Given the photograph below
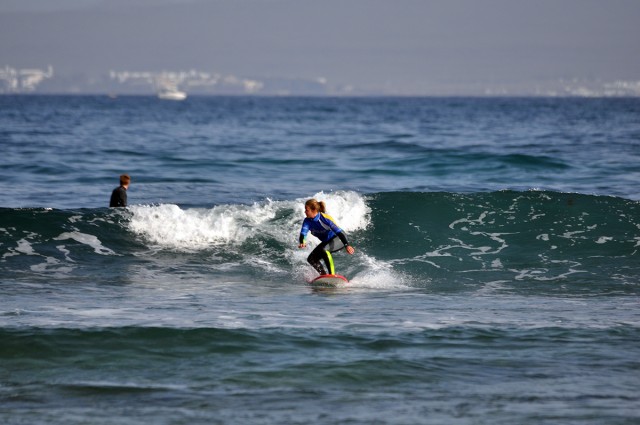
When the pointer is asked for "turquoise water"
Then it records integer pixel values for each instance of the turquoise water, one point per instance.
(496, 277)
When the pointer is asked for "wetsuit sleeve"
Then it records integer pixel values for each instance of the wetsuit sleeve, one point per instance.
(304, 231)
(343, 238)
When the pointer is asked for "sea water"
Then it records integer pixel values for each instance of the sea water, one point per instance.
(496, 277)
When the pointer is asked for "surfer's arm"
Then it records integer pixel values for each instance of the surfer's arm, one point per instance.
(345, 241)
(303, 235)
(343, 238)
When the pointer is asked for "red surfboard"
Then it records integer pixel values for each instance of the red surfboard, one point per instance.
(329, 280)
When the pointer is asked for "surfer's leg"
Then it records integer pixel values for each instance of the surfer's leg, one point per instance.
(328, 260)
(333, 245)
(315, 258)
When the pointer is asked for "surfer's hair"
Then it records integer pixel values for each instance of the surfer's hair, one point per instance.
(124, 179)
(315, 205)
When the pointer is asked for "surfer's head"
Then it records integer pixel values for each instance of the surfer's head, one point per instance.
(312, 207)
(125, 180)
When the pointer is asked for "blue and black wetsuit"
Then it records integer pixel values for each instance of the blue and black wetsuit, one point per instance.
(332, 239)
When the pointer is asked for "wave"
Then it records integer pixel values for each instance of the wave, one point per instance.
(120, 359)
(62, 341)
(533, 240)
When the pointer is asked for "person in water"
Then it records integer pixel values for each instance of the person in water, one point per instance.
(119, 194)
(322, 226)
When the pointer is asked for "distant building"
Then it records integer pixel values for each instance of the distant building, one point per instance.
(22, 80)
(177, 81)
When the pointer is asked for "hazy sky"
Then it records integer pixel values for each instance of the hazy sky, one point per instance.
(406, 45)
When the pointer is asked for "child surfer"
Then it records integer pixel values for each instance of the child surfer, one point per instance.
(323, 227)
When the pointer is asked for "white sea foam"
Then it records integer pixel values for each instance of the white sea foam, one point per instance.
(349, 209)
(379, 275)
(51, 265)
(86, 239)
(169, 226)
(25, 247)
(66, 252)
(477, 221)
(190, 230)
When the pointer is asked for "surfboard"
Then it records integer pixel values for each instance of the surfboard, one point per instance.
(331, 280)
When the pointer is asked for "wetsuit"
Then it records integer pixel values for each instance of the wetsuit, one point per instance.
(118, 197)
(332, 239)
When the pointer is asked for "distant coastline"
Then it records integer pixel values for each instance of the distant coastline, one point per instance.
(196, 83)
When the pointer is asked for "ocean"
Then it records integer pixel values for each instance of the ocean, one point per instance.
(496, 278)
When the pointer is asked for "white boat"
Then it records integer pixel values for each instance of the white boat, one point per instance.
(171, 93)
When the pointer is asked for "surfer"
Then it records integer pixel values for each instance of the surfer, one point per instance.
(322, 226)
(119, 194)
